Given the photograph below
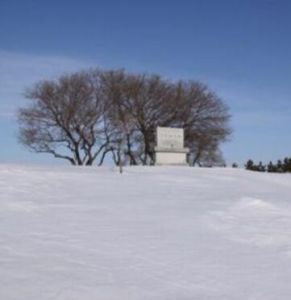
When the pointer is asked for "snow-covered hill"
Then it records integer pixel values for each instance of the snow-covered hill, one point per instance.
(152, 233)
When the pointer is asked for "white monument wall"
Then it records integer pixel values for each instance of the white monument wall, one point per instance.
(170, 146)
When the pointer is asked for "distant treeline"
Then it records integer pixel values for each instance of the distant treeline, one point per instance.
(281, 166)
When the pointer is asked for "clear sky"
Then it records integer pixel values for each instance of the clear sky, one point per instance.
(240, 48)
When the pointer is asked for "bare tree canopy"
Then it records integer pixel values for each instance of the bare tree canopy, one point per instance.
(87, 115)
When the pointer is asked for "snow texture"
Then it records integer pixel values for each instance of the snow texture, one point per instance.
(167, 233)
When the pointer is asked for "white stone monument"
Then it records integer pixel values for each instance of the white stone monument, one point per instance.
(170, 146)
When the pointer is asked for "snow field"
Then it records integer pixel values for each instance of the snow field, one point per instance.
(170, 233)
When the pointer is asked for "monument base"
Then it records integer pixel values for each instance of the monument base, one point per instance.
(178, 158)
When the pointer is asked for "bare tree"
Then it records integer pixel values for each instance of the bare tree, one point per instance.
(152, 101)
(65, 118)
(121, 122)
(205, 118)
(147, 101)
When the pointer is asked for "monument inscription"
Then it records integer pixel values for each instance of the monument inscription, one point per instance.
(170, 138)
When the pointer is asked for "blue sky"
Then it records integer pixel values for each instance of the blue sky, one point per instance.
(241, 49)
